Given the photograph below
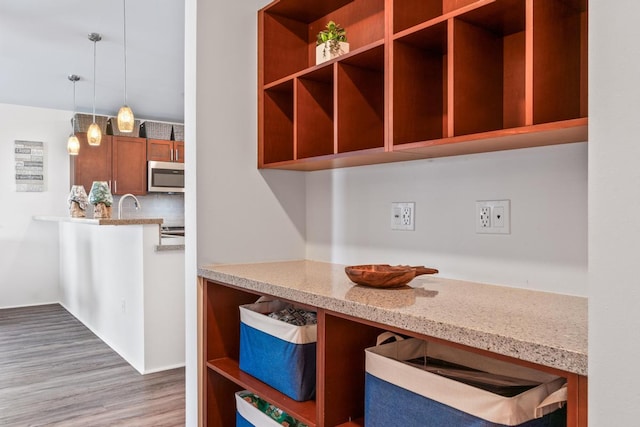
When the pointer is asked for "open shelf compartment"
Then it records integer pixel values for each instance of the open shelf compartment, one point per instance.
(419, 85)
(488, 67)
(289, 30)
(559, 60)
(360, 101)
(314, 114)
(407, 13)
(277, 126)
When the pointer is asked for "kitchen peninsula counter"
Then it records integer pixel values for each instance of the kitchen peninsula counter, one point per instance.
(101, 221)
(116, 282)
(543, 328)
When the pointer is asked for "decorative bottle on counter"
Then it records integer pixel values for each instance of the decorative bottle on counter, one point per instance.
(77, 201)
(101, 199)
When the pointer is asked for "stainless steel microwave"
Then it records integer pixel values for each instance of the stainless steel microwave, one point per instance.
(166, 177)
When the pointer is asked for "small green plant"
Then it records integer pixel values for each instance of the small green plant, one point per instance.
(331, 37)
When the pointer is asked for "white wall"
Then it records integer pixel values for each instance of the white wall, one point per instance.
(241, 214)
(614, 213)
(349, 216)
(29, 260)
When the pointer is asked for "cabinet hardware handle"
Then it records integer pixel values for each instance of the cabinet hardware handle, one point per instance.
(115, 184)
(177, 156)
(171, 159)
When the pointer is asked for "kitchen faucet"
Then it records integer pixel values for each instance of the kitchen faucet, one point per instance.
(135, 201)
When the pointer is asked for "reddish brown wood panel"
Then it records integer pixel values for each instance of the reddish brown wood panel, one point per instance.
(341, 375)
(229, 368)
(92, 163)
(513, 97)
(178, 147)
(584, 64)
(407, 13)
(314, 127)
(556, 61)
(129, 165)
(362, 19)
(286, 47)
(159, 150)
(222, 320)
(477, 79)
(278, 124)
(220, 408)
(419, 85)
(360, 111)
(451, 5)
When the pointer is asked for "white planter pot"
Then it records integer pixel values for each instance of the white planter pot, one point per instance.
(323, 52)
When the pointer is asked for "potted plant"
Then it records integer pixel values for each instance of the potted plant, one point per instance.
(331, 42)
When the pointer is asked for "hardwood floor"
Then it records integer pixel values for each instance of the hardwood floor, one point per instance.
(55, 372)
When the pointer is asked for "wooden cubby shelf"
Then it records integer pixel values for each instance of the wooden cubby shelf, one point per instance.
(340, 365)
(424, 78)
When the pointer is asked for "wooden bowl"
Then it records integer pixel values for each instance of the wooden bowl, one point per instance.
(385, 276)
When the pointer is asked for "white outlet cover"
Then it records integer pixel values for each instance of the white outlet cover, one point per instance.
(499, 221)
(403, 216)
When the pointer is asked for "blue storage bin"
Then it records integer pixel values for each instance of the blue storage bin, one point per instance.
(398, 393)
(278, 353)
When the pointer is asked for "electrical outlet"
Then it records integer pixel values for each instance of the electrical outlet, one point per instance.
(402, 216)
(493, 216)
(485, 217)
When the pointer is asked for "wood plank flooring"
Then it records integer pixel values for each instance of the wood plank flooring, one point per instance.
(55, 372)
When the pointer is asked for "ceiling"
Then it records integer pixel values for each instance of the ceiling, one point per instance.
(42, 42)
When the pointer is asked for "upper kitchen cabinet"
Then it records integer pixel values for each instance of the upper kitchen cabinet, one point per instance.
(119, 160)
(165, 151)
(423, 78)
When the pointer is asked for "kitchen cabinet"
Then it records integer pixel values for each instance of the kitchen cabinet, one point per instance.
(165, 151)
(422, 79)
(349, 320)
(119, 160)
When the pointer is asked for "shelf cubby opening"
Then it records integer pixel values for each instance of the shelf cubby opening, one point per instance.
(489, 69)
(290, 30)
(221, 401)
(285, 46)
(559, 60)
(278, 123)
(360, 101)
(344, 370)
(314, 114)
(227, 370)
(407, 13)
(419, 85)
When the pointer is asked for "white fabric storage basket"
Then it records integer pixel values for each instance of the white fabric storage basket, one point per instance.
(248, 415)
(278, 353)
(402, 394)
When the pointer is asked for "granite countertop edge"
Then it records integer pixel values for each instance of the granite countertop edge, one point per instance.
(551, 356)
(101, 221)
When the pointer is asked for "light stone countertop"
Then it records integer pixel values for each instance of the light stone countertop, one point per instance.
(540, 327)
(110, 221)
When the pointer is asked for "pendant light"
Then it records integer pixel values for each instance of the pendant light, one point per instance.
(125, 115)
(94, 134)
(73, 145)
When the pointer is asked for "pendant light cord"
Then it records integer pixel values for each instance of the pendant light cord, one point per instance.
(73, 118)
(94, 81)
(124, 32)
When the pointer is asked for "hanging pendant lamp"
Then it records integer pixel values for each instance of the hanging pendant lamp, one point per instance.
(73, 145)
(125, 115)
(94, 134)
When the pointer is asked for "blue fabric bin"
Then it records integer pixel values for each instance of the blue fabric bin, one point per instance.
(278, 353)
(398, 393)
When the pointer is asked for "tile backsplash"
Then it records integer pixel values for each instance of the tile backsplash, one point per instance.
(170, 207)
